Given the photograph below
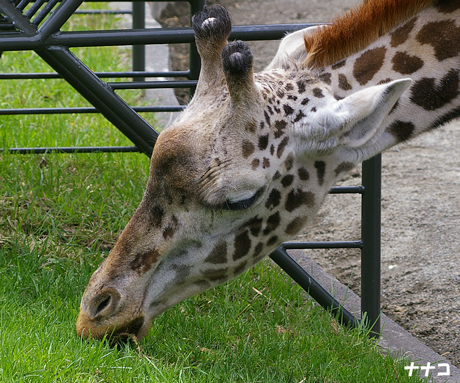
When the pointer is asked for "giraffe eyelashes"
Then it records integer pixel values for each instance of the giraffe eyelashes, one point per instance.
(245, 203)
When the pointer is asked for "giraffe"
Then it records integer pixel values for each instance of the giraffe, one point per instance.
(252, 157)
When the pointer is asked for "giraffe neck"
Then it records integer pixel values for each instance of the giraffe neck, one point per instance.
(358, 28)
(425, 48)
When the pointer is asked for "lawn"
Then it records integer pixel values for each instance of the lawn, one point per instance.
(59, 216)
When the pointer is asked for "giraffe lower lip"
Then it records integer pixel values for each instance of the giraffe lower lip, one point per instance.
(128, 331)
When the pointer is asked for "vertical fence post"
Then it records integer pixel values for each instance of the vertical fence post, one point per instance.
(138, 17)
(371, 237)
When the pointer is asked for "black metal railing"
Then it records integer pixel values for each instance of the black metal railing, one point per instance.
(39, 29)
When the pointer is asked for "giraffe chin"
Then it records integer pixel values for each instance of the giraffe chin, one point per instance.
(133, 330)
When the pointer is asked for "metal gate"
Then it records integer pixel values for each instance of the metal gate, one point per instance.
(36, 25)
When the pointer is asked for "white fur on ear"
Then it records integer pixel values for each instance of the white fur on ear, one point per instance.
(350, 122)
(291, 49)
(368, 108)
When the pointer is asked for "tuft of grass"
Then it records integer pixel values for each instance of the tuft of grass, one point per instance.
(59, 217)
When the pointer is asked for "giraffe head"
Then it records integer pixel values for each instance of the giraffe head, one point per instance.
(245, 168)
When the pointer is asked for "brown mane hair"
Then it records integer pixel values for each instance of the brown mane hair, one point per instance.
(358, 28)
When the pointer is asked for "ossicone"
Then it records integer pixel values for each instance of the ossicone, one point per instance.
(237, 60)
(212, 23)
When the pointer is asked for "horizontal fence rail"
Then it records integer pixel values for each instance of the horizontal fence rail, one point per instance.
(38, 29)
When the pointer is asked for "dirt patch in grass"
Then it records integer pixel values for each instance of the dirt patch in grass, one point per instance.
(420, 200)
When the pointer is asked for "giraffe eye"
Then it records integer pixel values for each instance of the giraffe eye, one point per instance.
(245, 203)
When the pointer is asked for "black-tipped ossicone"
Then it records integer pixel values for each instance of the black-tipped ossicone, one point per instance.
(212, 22)
(237, 58)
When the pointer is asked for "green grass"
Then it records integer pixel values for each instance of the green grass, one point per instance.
(59, 217)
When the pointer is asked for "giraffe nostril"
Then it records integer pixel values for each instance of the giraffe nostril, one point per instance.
(105, 303)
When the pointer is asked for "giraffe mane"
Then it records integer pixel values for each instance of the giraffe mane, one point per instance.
(357, 29)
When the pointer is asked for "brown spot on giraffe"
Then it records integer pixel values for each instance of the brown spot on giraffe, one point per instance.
(430, 96)
(447, 6)
(303, 174)
(273, 222)
(248, 148)
(443, 36)
(280, 126)
(255, 163)
(254, 225)
(242, 245)
(263, 142)
(455, 113)
(281, 147)
(287, 180)
(406, 64)
(218, 254)
(401, 130)
(289, 87)
(320, 167)
(301, 86)
(343, 82)
(215, 274)
(343, 168)
(267, 118)
(368, 64)
(288, 110)
(401, 34)
(258, 249)
(289, 162)
(295, 225)
(273, 199)
(299, 116)
(339, 64)
(297, 198)
(251, 127)
(272, 240)
(318, 92)
(144, 261)
(240, 268)
(326, 78)
(385, 81)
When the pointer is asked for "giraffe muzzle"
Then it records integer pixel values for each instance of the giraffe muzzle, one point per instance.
(99, 318)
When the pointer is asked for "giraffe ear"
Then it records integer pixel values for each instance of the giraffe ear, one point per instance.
(292, 48)
(361, 114)
(351, 122)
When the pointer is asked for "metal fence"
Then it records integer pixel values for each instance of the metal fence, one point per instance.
(36, 25)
